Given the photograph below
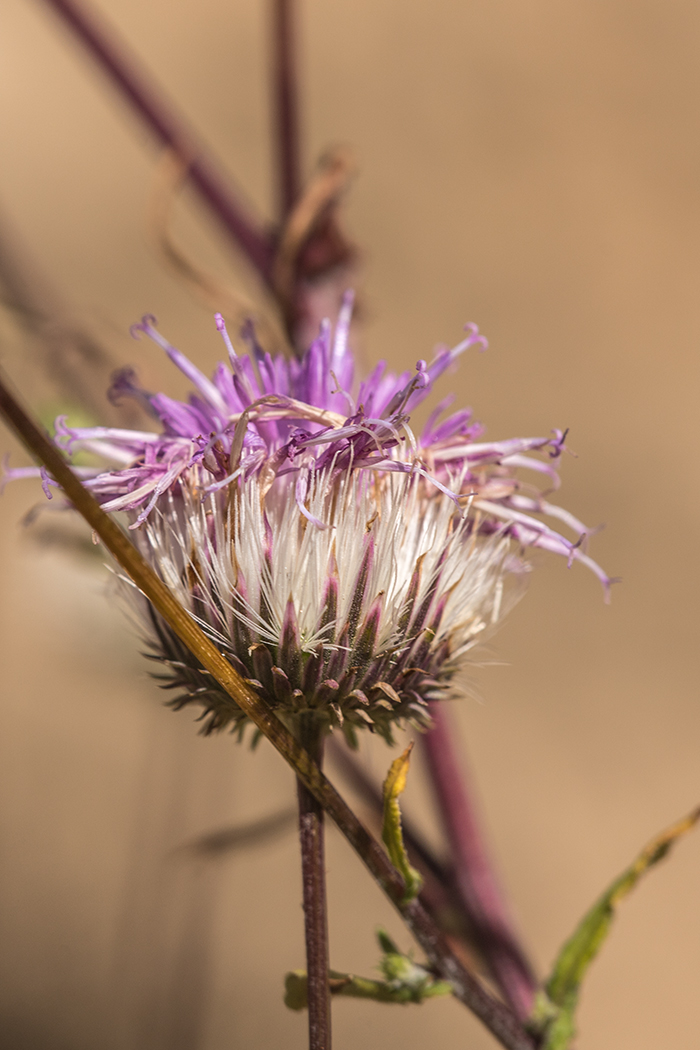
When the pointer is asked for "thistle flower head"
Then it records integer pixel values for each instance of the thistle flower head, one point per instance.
(344, 564)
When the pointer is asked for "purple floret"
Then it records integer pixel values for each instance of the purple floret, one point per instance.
(277, 418)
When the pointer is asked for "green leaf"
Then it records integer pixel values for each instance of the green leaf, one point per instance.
(555, 1006)
(405, 981)
(391, 829)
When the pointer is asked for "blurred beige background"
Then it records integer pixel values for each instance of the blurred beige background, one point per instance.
(533, 167)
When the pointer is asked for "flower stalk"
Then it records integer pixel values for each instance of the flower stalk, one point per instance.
(313, 870)
(496, 1016)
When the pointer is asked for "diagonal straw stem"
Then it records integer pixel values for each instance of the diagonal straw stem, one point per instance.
(496, 1016)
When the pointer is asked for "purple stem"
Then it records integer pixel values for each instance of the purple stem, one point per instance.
(285, 105)
(168, 129)
(474, 875)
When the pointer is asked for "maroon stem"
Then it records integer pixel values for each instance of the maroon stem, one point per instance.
(285, 105)
(313, 870)
(168, 128)
(474, 875)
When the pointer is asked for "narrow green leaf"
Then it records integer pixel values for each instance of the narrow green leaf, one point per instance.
(391, 829)
(553, 1015)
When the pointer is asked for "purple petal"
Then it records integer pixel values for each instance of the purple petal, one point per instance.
(204, 385)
